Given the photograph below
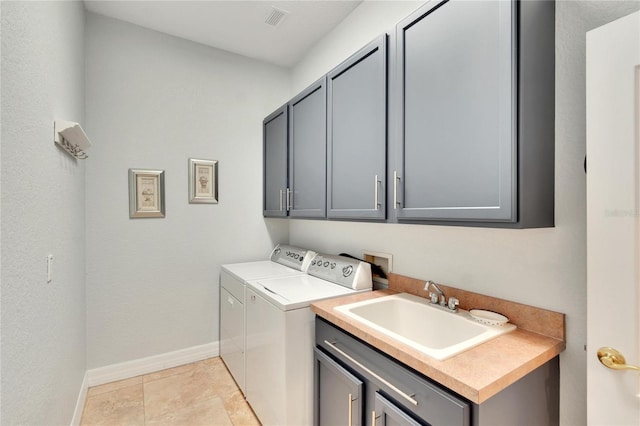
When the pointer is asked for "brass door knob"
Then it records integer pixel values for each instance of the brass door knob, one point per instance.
(613, 359)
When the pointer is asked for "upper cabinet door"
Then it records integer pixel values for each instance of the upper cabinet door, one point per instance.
(275, 144)
(455, 90)
(357, 135)
(308, 152)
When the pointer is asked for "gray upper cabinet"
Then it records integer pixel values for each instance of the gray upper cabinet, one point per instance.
(308, 152)
(474, 98)
(450, 121)
(275, 144)
(357, 135)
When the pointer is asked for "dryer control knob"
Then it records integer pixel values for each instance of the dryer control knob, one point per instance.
(347, 270)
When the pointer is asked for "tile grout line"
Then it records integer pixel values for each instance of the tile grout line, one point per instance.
(144, 406)
(190, 372)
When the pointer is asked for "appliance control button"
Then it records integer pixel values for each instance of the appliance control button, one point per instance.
(326, 263)
(347, 270)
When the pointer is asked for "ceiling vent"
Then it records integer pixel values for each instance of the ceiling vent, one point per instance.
(275, 17)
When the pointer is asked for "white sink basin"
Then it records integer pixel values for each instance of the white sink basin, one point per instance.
(413, 321)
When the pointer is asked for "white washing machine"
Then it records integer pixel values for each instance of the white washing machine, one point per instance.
(284, 261)
(280, 336)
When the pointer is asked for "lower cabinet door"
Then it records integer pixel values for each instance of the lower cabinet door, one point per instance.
(386, 413)
(338, 394)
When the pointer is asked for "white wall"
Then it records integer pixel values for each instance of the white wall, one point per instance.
(43, 325)
(539, 267)
(369, 20)
(153, 101)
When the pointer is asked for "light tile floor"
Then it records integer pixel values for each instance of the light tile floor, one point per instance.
(201, 393)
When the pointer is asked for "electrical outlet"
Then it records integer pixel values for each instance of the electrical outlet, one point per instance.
(383, 260)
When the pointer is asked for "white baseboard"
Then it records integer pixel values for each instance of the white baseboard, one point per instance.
(137, 367)
(151, 364)
(82, 397)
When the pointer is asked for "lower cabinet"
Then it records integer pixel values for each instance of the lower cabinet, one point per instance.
(355, 384)
(388, 414)
(339, 393)
(340, 398)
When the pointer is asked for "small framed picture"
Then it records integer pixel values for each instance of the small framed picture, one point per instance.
(203, 181)
(146, 193)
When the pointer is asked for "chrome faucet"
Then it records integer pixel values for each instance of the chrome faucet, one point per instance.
(438, 298)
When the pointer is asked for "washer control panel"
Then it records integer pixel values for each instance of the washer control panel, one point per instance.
(341, 270)
(293, 257)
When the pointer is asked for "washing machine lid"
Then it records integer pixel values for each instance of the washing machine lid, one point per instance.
(261, 269)
(297, 291)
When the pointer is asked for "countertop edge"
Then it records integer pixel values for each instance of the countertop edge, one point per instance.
(528, 351)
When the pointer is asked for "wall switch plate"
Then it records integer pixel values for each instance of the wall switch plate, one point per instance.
(49, 268)
(383, 260)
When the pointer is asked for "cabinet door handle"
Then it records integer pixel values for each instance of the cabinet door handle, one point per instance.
(396, 178)
(281, 204)
(369, 371)
(376, 188)
(350, 410)
(373, 418)
(288, 199)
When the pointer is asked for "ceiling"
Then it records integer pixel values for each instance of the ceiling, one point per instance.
(237, 26)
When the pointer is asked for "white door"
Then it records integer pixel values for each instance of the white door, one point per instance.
(613, 219)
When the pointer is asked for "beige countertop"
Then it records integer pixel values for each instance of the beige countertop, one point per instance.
(477, 374)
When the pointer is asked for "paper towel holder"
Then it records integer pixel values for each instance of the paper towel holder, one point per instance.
(70, 137)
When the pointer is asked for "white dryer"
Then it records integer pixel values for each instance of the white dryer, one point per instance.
(284, 261)
(280, 335)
